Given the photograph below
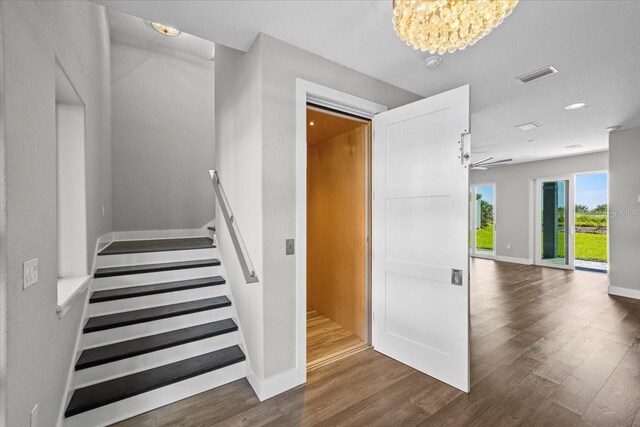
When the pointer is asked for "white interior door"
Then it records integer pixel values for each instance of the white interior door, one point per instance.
(421, 236)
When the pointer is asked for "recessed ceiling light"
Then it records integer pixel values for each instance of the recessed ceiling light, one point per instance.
(312, 123)
(528, 126)
(575, 106)
(612, 128)
(165, 30)
(531, 140)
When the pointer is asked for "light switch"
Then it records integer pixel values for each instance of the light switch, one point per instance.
(290, 247)
(29, 273)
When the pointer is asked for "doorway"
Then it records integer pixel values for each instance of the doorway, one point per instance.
(591, 221)
(570, 221)
(338, 229)
(554, 217)
(483, 220)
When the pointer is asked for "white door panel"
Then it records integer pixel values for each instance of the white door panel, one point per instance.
(420, 233)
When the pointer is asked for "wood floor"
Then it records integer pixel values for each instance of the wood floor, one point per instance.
(327, 340)
(549, 348)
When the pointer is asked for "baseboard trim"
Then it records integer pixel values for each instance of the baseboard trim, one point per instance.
(513, 260)
(269, 387)
(624, 292)
(483, 256)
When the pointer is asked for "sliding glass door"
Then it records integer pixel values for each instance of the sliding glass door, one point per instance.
(554, 222)
(483, 219)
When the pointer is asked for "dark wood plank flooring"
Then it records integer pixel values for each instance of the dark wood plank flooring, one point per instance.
(549, 348)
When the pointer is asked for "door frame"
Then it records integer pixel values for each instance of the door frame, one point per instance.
(472, 210)
(309, 92)
(569, 220)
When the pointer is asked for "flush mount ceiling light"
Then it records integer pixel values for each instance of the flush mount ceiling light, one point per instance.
(165, 30)
(575, 106)
(447, 25)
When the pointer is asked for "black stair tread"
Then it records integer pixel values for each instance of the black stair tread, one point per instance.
(157, 288)
(109, 321)
(156, 245)
(101, 394)
(152, 268)
(131, 348)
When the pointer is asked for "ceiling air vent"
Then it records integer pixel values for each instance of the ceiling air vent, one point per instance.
(528, 126)
(528, 78)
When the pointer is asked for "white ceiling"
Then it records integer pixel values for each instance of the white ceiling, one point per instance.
(128, 29)
(593, 44)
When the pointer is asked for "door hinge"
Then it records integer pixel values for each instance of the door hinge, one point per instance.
(464, 153)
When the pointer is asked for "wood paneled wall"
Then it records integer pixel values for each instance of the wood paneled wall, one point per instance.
(336, 221)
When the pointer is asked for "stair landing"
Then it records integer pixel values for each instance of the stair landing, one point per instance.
(156, 245)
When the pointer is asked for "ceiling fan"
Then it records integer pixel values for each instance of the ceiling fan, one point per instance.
(485, 164)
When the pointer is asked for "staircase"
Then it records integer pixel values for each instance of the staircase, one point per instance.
(161, 327)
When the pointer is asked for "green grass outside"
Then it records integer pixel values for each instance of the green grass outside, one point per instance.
(484, 238)
(589, 247)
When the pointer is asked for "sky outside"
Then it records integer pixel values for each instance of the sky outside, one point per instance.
(591, 189)
(486, 192)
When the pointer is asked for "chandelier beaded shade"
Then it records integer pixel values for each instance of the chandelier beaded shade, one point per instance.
(440, 26)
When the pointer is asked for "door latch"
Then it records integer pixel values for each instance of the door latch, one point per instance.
(456, 277)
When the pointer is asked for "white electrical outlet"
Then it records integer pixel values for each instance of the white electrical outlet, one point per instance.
(34, 416)
(29, 273)
(508, 245)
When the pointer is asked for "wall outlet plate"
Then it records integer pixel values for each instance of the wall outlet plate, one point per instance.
(29, 273)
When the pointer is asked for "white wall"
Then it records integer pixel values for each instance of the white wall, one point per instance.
(255, 136)
(163, 139)
(71, 202)
(39, 345)
(239, 163)
(512, 196)
(624, 208)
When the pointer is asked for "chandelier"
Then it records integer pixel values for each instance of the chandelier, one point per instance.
(440, 26)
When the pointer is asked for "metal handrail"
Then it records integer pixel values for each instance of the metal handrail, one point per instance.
(241, 250)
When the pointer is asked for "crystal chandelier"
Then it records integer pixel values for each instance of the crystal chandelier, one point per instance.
(440, 26)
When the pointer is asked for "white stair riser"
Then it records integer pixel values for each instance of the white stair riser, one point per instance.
(154, 257)
(125, 333)
(132, 406)
(115, 282)
(109, 371)
(148, 301)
